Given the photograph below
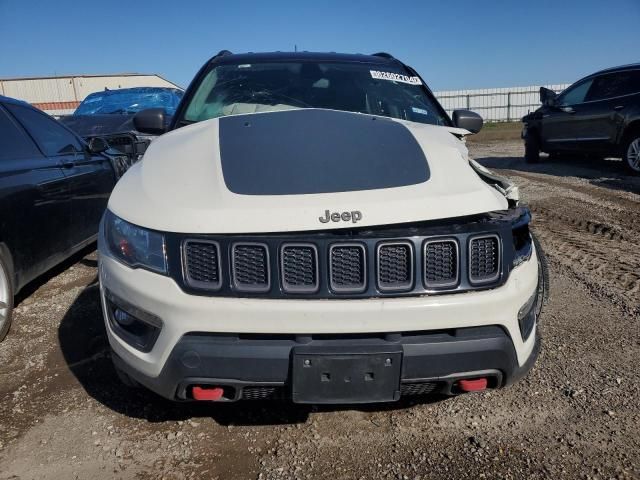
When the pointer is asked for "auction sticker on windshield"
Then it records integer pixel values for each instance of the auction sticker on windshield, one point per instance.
(395, 77)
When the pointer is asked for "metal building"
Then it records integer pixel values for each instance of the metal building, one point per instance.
(61, 95)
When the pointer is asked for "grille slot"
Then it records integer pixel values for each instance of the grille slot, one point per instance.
(202, 264)
(262, 393)
(421, 388)
(484, 259)
(347, 268)
(441, 263)
(395, 266)
(299, 268)
(250, 265)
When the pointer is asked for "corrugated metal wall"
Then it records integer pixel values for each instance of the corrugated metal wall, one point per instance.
(61, 95)
(496, 104)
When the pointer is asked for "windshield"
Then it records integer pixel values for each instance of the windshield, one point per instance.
(128, 102)
(385, 90)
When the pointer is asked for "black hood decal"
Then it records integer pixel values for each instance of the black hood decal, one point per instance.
(311, 151)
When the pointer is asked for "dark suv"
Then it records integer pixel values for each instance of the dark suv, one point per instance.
(598, 115)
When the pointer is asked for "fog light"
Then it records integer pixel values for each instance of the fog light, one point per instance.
(123, 318)
(138, 328)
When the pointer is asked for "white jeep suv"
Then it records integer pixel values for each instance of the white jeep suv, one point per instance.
(312, 228)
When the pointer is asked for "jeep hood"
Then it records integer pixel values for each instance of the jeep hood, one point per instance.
(283, 171)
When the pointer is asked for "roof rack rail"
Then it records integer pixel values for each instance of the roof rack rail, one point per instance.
(221, 53)
(383, 55)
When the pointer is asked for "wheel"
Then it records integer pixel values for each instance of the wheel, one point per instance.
(543, 277)
(532, 149)
(631, 153)
(6, 298)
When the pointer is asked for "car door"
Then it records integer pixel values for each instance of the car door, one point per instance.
(89, 177)
(35, 208)
(558, 126)
(599, 118)
(92, 179)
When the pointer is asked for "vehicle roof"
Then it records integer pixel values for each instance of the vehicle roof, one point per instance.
(621, 68)
(14, 101)
(227, 57)
(134, 90)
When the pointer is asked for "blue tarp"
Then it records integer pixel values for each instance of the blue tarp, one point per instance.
(130, 100)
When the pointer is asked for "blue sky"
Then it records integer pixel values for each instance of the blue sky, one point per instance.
(454, 45)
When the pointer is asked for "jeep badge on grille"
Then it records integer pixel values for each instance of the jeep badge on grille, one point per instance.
(354, 216)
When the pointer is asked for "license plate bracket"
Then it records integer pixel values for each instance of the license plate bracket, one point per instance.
(338, 377)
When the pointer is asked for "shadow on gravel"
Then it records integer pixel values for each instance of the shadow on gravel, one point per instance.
(78, 257)
(609, 173)
(85, 348)
(89, 262)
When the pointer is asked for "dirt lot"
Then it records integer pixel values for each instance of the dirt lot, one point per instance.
(63, 413)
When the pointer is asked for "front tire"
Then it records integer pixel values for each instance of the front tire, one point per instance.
(532, 149)
(6, 298)
(543, 276)
(631, 153)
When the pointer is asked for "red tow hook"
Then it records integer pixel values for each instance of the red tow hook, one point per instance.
(210, 394)
(473, 384)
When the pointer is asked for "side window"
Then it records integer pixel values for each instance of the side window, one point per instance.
(575, 94)
(14, 143)
(615, 85)
(52, 137)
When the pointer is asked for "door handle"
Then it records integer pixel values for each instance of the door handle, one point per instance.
(618, 107)
(67, 163)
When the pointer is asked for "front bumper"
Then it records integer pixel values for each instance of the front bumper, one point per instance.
(246, 345)
(260, 368)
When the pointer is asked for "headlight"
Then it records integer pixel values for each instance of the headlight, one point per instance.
(135, 246)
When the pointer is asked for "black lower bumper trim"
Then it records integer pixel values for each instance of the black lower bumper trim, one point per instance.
(260, 367)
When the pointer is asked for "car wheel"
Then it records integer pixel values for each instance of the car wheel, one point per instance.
(6, 299)
(532, 149)
(632, 153)
(543, 277)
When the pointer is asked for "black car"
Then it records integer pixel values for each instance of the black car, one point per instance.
(54, 189)
(109, 114)
(598, 116)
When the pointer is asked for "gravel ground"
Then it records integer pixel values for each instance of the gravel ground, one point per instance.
(64, 415)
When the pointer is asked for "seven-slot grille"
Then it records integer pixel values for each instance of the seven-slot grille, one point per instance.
(250, 263)
(202, 264)
(484, 258)
(347, 268)
(299, 268)
(327, 268)
(440, 263)
(395, 266)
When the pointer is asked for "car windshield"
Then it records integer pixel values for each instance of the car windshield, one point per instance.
(386, 90)
(128, 101)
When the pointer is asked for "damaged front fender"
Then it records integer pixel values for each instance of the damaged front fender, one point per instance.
(504, 186)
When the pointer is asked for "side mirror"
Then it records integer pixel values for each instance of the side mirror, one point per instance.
(98, 145)
(468, 120)
(548, 97)
(151, 120)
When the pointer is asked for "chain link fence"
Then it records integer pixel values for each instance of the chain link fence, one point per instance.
(496, 104)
